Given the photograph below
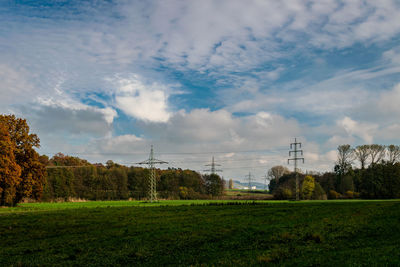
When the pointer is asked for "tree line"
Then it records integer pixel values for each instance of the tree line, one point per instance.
(366, 171)
(24, 174)
(113, 181)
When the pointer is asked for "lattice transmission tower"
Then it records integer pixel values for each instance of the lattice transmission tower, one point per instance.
(295, 158)
(213, 170)
(265, 177)
(249, 178)
(151, 162)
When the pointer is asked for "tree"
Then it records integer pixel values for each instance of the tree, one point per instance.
(32, 170)
(110, 164)
(307, 188)
(377, 153)
(60, 159)
(9, 170)
(345, 159)
(277, 172)
(214, 184)
(346, 183)
(230, 184)
(319, 193)
(362, 153)
(393, 153)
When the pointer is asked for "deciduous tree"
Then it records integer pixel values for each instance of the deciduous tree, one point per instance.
(345, 159)
(214, 184)
(307, 188)
(362, 153)
(377, 153)
(32, 170)
(277, 172)
(9, 170)
(393, 153)
(230, 184)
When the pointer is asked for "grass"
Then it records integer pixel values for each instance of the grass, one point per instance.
(119, 233)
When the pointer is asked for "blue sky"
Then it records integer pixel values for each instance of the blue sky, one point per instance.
(105, 79)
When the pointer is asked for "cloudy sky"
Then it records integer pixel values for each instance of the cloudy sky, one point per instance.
(238, 80)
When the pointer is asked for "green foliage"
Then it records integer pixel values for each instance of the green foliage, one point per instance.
(349, 194)
(381, 181)
(307, 187)
(283, 193)
(333, 194)
(319, 193)
(115, 181)
(214, 184)
(346, 183)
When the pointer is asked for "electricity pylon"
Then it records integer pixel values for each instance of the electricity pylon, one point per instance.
(213, 170)
(295, 158)
(249, 177)
(265, 177)
(151, 162)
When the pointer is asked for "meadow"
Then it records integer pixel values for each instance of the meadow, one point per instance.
(201, 233)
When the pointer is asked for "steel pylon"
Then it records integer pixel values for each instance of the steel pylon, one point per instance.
(151, 162)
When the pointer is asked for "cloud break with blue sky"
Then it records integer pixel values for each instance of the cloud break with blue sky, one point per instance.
(237, 80)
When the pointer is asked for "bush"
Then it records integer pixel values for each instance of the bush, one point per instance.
(283, 193)
(333, 194)
(307, 187)
(349, 194)
(319, 193)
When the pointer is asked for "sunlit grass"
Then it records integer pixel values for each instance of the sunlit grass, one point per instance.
(201, 232)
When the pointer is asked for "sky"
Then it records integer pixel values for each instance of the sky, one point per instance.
(237, 80)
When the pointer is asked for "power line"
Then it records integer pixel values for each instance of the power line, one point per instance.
(151, 162)
(66, 166)
(225, 161)
(295, 158)
(173, 153)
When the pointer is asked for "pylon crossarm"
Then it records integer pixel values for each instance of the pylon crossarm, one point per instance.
(156, 161)
(144, 162)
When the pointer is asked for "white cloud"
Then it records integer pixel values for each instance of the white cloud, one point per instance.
(49, 119)
(14, 86)
(148, 102)
(389, 101)
(362, 130)
(390, 133)
(241, 35)
(393, 56)
(192, 137)
(61, 64)
(337, 140)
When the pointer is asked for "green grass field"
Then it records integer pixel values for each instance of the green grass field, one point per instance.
(119, 233)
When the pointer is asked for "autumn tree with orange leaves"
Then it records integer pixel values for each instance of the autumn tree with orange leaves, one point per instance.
(21, 173)
(9, 170)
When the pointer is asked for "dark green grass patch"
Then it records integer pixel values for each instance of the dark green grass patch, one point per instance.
(356, 233)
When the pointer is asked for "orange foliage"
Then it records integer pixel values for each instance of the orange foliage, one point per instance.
(9, 170)
(32, 171)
